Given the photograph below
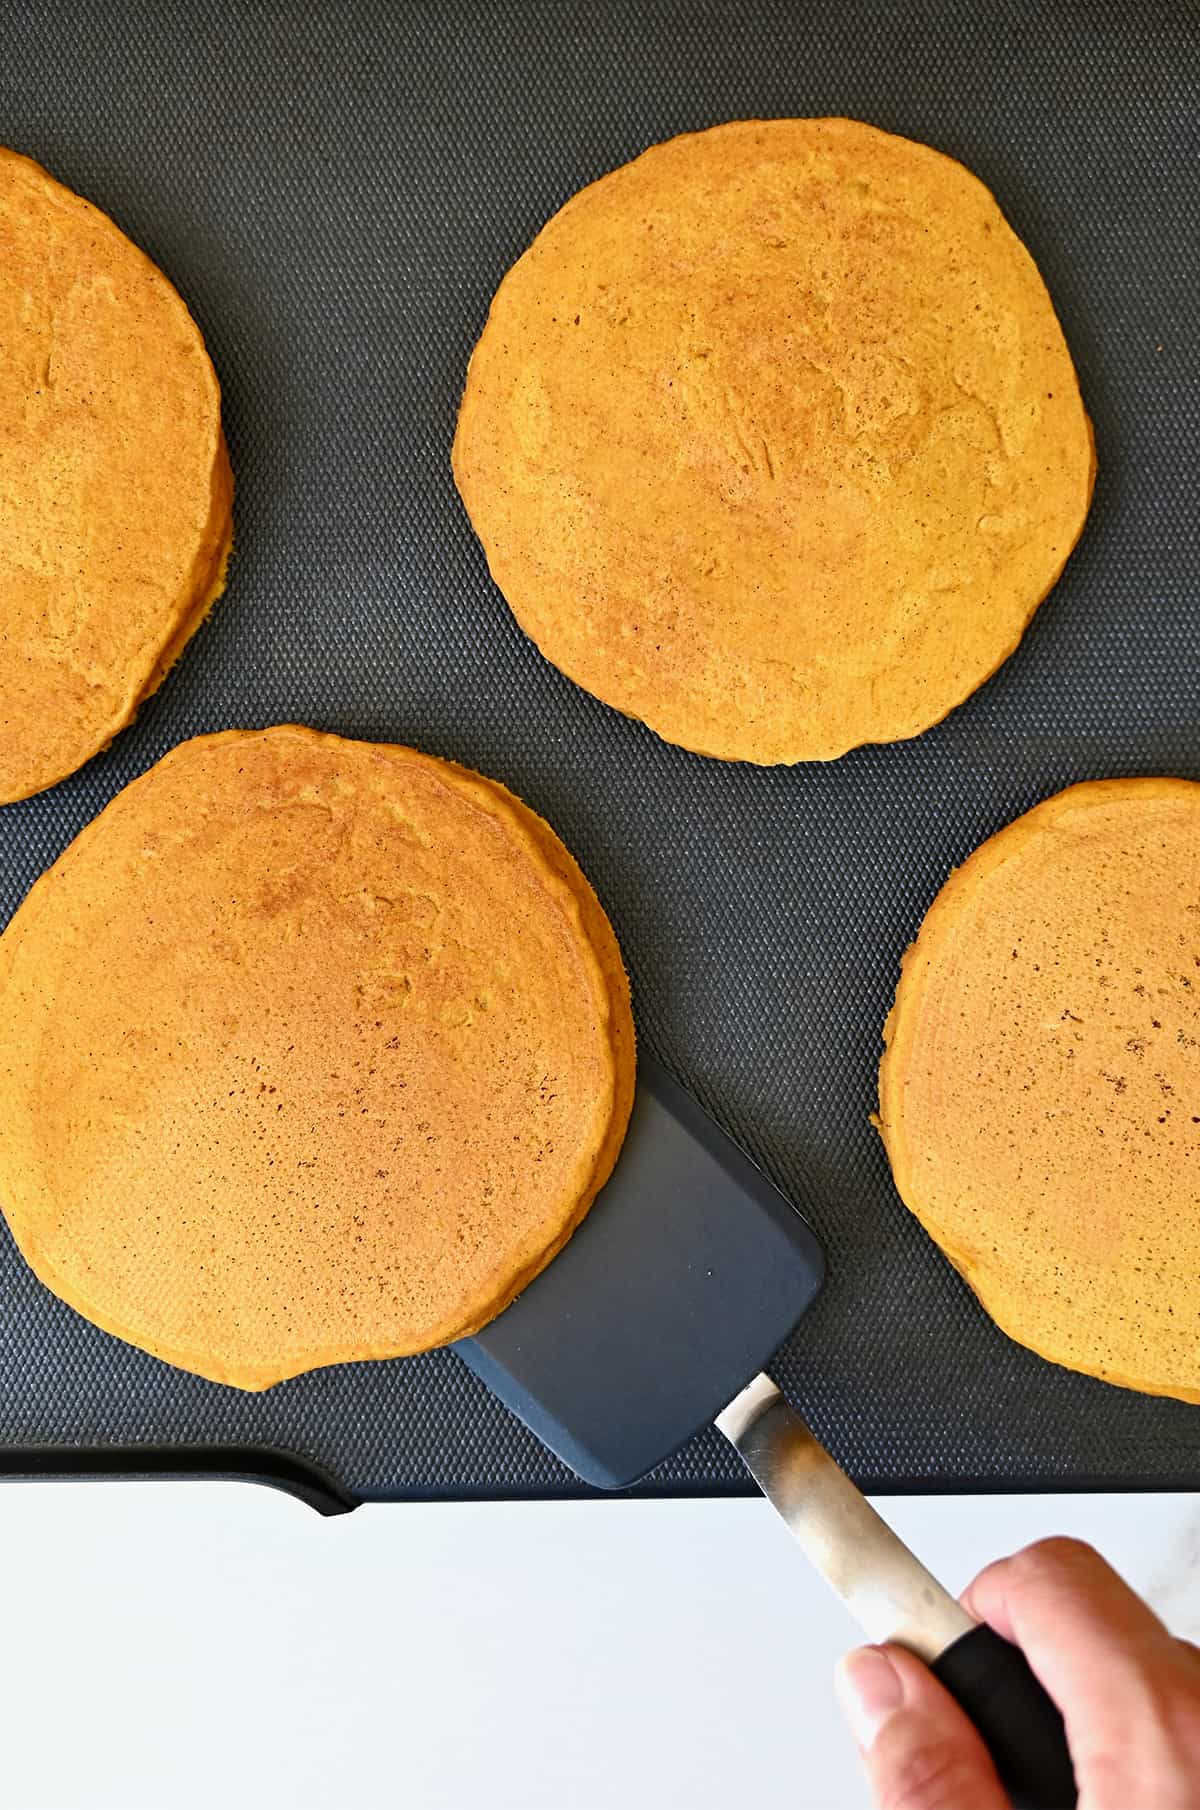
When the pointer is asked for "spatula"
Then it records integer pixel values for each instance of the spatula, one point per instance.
(689, 1273)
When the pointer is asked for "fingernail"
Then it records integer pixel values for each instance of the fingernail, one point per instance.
(869, 1688)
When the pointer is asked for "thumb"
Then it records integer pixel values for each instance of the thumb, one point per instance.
(919, 1749)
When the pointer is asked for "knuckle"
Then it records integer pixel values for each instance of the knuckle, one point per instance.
(1053, 1560)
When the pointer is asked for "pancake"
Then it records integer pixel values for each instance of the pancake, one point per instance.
(114, 480)
(772, 439)
(310, 1050)
(1040, 1092)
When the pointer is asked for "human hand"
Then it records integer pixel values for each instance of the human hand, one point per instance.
(1129, 1693)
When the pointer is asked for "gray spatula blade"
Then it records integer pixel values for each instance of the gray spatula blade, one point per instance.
(687, 1275)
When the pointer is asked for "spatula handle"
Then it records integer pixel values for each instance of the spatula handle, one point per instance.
(893, 1597)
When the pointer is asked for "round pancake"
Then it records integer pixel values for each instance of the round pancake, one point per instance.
(310, 1050)
(772, 439)
(1040, 1093)
(114, 479)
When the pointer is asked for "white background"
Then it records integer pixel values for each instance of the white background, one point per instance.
(219, 1645)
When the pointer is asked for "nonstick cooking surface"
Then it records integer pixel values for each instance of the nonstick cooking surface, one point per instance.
(336, 190)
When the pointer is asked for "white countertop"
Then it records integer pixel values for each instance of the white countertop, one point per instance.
(170, 1645)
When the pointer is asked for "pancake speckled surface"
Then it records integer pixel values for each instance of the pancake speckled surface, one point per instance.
(310, 1050)
(1040, 1091)
(115, 488)
(773, 440)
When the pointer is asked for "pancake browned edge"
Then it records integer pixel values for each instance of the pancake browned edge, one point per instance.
(569, 894)
(65, 750)
(618, 1012)
(1012, 1308)
(208, 591)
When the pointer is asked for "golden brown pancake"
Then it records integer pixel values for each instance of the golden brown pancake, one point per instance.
(772, 439)
(1040, 1094)
(115, 489)
(310, 1050)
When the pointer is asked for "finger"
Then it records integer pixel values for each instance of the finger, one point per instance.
(1129, 1692)
(1083, 1630)
(919, 1749)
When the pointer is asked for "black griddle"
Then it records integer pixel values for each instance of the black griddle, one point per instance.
(337, 190)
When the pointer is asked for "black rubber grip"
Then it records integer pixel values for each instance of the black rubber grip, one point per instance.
(1024, 1733)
